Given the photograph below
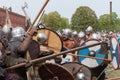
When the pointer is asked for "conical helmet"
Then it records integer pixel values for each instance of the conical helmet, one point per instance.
(6, 29)
(81, 34)
(89, 29)
(95, 36)
(18, 32)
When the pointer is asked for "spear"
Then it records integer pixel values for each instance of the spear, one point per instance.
(38, 15)
(53, 55)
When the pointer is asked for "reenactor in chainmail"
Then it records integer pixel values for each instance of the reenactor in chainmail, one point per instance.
(18, 46)
(89, 32)
(3, 54)
(7, 30)
(99, 71)
(75, 39)
(67, 38)
(82, 38)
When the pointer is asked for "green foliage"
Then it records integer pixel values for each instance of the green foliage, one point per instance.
(109, 22)
(64, 23)
(81, 19)
(104, 22)
(116, 26)
(84, 17)
(54, 21)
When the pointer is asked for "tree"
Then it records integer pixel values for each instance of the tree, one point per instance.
(84, 17)
(117, 25)
(64, 23)
(109, 22)
(104, 22)
(54, 21)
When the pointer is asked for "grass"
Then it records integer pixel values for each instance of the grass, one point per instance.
(111, 72)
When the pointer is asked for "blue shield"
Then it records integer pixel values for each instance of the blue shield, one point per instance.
(93, 52)
(114, 49)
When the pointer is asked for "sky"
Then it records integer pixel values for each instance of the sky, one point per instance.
(66, 8)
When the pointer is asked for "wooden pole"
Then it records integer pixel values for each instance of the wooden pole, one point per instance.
(38, 15)
(110, 15)
(116, 78)
(53, 55)
(91, 57)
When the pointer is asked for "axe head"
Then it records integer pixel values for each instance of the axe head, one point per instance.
(25, 5)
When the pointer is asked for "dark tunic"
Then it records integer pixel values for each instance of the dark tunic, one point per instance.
(18, 47)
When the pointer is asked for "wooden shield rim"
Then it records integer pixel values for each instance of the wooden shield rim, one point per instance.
(53, 64)
(55, 34)
(102, 61)
(118, 52)
(70, 63)
(81, 66)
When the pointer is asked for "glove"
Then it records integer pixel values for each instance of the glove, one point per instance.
(21, 60)
(46, 53)
(28, 64)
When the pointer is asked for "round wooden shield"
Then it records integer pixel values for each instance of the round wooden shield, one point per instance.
(94, 51)
(50, 71)
(54, 41)
(115, 52)
(78, 70)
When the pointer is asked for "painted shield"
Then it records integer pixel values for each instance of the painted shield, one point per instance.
(94, 51)
(50, 71)
(54, 41)
(79, 71)
(115, 54)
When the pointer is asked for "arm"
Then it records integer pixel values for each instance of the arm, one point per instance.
(8, 21)
(26, 42)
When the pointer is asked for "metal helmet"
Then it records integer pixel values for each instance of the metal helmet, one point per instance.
(18, 32)
(81, 76)
(40, 25)
(41, 37)
(110, 32)
(74, 33)
(59, 33)
(89, 29)
(67, 31)
(95, 36)
(6, 29)
(104, 34)
(81, 34)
